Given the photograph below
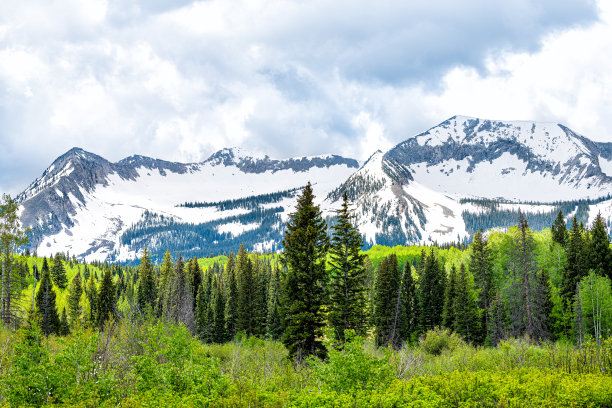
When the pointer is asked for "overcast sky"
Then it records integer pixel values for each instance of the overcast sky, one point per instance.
(179, 80)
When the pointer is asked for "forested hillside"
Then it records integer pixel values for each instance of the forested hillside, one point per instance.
(508, 317)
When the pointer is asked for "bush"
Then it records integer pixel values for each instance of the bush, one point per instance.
(437, 340)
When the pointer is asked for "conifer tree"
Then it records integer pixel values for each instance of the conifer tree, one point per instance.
(497, 321)
(559, 230)
(303, 295)
(92, 297)
(231, 302)
(74, 298)
(262, 279)
(45, 302)
(410, 301)
(466, 320)
(147, 291)
(179, 303)
(164, 282)
(107, 307)
(201, 314)
(576, 266)
(64, 328)
(448, 315)
(247, 288)
(525, 294)
(195, 277)
(388, 309)
(600, 254)
(58, 272)
(218, 335)
(481, 266)
(432, 285)
(274, 327)
(347, 303)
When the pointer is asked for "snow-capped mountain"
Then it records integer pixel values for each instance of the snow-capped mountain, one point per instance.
(442, 185)
(96, 209)
(466, 173)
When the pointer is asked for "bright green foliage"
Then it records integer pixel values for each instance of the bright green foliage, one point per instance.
(58, 272)
(432, 285)
(45, 304)
(600, 253)
(596, 304)
(466, 320)
(577, 262)
(147, 290)
(559, 230)
(388, 312)
(347, 301)
(74, 298)
(481, 267)
(303, 298)
(438, 340)
(106, 304)
(448, 314)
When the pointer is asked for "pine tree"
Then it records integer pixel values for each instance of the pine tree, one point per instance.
(107, 307)
(218, 335)
(179, 303)
(481, 267)
(164, 283)
(231, 302)
(147, 291)
(347, 303)
(58, 272)
(247, 288)
(274, 327)
(600, 254)
(497, 321)
(201, 314)
(559, 230)
(74, 298)
(195, 277)
(45, 303)
(527, 313)
(432, 285)
(466, 321)
(92, 297)
(410, 301)
(388, 313)
(64, 328)
(448, 313)
(576, 267)
(303, 295)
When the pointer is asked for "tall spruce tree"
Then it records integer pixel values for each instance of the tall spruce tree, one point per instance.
(147, 290)
(600, 254)
(58, 272)
(164, 283)
(107, 306)
(218, 332)
(410, 301)
(432, 285)
(195, 277)
(388, 310)
(91, 291)
(231, 301)
(576, 267)
(448, 314)
(525, 294)
(274, 326)
(201, 315)
(481, 266)
(247, 291)
(303, 295)
(559, 230)
(45, 302)
(497, 321)
(347, 303)
(74, 298)
(466, 321)
(179, 303)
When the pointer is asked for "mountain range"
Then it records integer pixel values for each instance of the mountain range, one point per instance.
(441, 185)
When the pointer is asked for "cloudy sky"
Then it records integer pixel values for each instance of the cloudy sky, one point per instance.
(179, 80)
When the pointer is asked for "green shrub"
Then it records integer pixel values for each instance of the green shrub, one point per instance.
(437, 340)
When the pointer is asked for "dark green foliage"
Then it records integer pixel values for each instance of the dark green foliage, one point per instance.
(303, 298)
(164, 283)
(231, 302)
(45, 303)
(147, 290)
(481, 267)
(106, 305)
(388, 313)
(58, 272)
(600, 254)
(410, 301)
(195, 276)
(497, 321)
(432, 285)
(64, 327)
(448, 314)
(466, 319)
(201, 315)
(577, 262)
(74, 298)
(247, 292)
(274, 326)
(218, 332)
(347, 303)
(179, 302)
(92, 297)
(559, 230)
